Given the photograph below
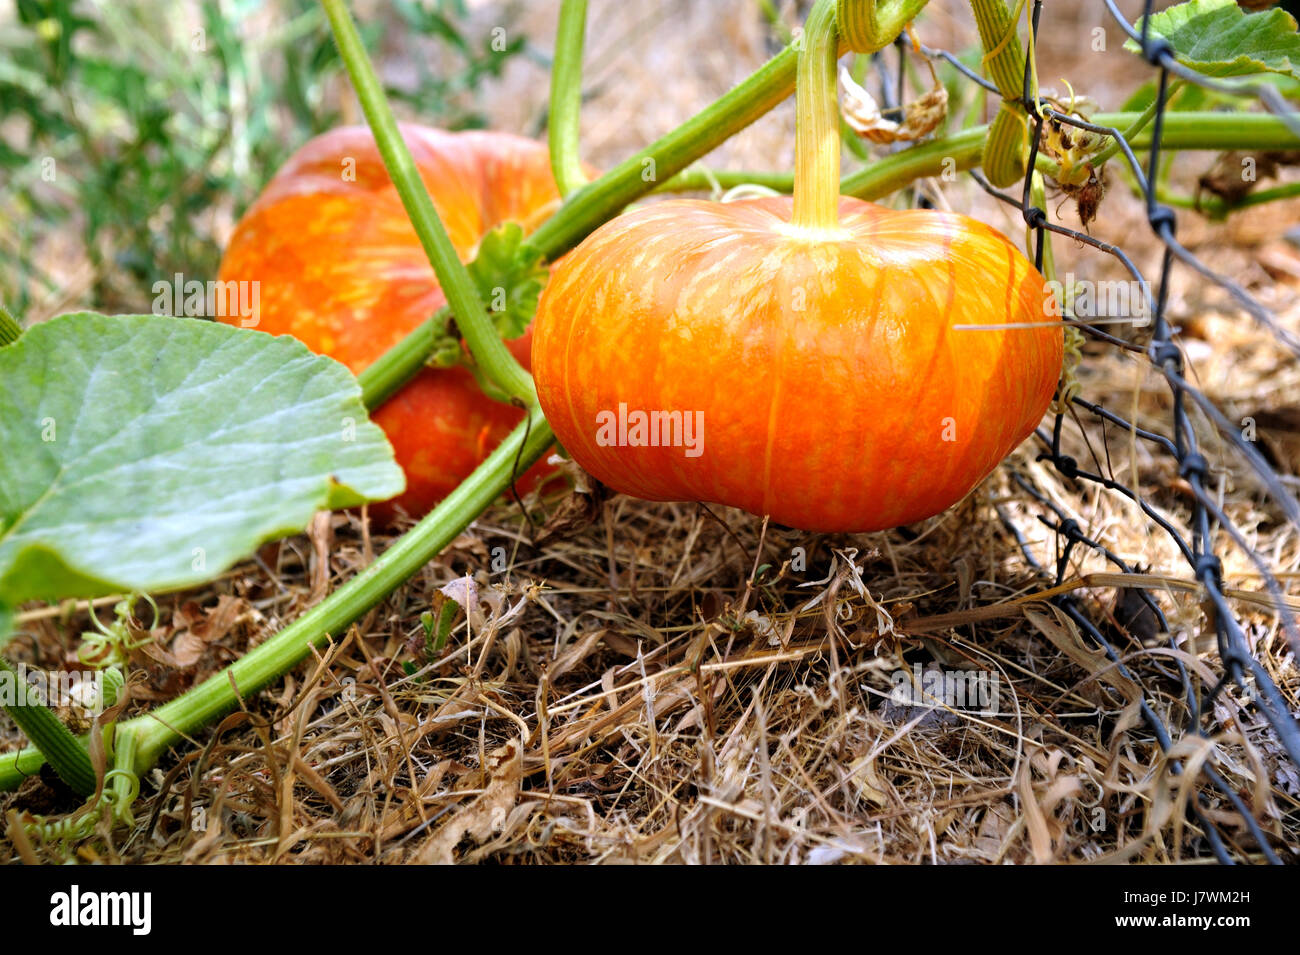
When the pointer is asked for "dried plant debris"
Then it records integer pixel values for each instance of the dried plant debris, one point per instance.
(678, 683)
(1236, 174)
(1074, 149)
(864, 116)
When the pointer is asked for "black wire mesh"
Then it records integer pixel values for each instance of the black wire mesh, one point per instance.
(1239, 666)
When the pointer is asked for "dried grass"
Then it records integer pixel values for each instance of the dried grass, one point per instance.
(630, 696)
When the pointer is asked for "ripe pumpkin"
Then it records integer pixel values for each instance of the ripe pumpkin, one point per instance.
(819, 376)
(341, 269)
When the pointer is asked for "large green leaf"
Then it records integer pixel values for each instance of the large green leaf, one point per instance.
(142, 452)
(1218, 38)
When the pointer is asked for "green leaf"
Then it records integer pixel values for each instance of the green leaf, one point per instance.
(1217, 38)
(6, 623)
(509, 279)
(145, 452)
(437, 623)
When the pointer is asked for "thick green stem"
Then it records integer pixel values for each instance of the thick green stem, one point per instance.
(870, 25)
(1004, 152)
(963, 150)
(51, 738)
(566, 97)
(17, 765)
(817, 127)
(395, 367)
(490, 353)
(1003, 56)
(156, 731)
(10, 330)
(602, 199)
(955, 153)
(699, 179)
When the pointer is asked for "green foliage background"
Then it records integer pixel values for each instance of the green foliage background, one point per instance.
(134, 128)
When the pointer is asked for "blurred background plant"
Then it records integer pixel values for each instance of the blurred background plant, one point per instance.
(131, 140)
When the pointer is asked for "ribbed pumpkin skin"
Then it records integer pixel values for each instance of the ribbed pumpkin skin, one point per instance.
(827, 371)
(342, 270)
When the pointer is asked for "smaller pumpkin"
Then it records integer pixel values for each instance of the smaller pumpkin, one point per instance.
(339, 267)
(843, 379)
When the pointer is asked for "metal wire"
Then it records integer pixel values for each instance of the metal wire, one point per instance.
(1181, 445)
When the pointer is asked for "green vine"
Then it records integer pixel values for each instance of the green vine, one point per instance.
(9, 327)
(1006, 147)
(566, 97)
(68, 757)
(490, 353)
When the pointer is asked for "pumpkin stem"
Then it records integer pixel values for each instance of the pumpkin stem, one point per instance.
(817, 124)
(1004, 58)
(566, 97)
(864, 26)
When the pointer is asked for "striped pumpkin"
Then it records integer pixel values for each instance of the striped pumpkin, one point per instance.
(848, 380)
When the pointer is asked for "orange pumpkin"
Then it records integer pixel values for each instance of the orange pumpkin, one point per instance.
(703, 351)
(341, 269)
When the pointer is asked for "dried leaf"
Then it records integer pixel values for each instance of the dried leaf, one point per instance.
(863, 115)
(571, 657)
(486, 814)
(1040, 838)
(580, 509)
(1065, 637)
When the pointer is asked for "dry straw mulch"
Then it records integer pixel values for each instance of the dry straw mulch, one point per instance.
(673, 683)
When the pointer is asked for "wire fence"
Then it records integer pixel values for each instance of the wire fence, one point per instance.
(1240, 667)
